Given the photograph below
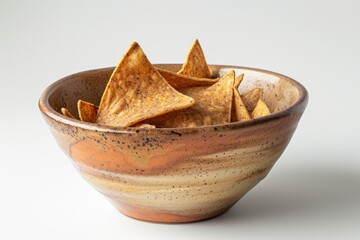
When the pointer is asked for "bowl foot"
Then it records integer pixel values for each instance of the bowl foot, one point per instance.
(153, 216)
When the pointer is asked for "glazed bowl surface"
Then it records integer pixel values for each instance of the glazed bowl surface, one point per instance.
(174, 174)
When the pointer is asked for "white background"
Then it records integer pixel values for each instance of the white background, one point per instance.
(313, 192)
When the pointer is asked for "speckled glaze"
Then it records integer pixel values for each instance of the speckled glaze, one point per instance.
(178, 174)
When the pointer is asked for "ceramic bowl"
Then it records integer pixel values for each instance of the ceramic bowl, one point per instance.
(174, 174)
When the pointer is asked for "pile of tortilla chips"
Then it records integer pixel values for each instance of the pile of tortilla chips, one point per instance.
(141, 95)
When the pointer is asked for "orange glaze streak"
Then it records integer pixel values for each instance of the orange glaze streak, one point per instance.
(109, 157)
(90, 153)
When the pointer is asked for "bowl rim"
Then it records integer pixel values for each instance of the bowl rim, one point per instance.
(48, 111)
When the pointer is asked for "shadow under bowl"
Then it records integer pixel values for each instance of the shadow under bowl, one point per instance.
(174, 174)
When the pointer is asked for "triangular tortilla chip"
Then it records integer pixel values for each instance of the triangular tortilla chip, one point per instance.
(179, 81)
(238, 80)
(251, 98)
(239, 111)
(195, 64)
(66, 113)
(136, 91)
(87, 111)
(212, 106)
(260, 110)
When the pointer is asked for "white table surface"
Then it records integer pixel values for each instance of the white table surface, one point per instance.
(313, 192)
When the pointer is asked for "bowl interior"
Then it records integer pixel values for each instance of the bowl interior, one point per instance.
(279, 91)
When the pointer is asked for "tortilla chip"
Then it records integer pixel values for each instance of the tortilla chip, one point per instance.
(260, 110)
(136, 91)
(239, 111)
(195, 64)
(143, 125)
(66, 113)
(212, 106)
(238, 80)
(277, 109)
(179, 81)
(251, 98)
(87, 111)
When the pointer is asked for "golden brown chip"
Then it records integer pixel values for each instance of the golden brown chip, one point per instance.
(238, 81)
(66, 113)
(136, 91)
(212, 106)
(179, 81)
(260, 110)
(239, 111)
(251, 98)
(195, 64)
(87, 111)
(143, 125)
